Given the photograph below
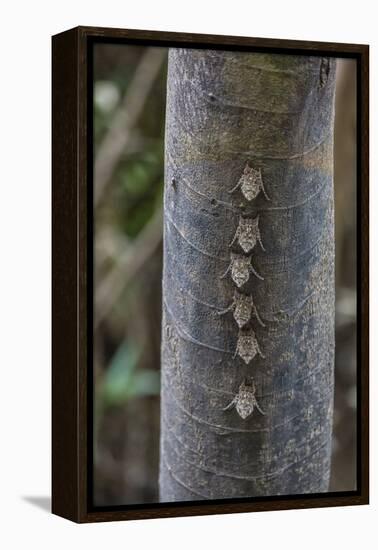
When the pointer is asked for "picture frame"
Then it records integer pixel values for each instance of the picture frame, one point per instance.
(72, 274)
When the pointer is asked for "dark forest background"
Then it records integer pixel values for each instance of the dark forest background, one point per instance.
(129, 118)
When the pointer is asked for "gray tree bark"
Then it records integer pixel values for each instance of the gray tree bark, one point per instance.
(274, 112)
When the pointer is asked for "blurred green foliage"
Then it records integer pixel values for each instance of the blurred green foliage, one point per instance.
(123, 380)
(136, 189)
(130, 200)
(140, 188)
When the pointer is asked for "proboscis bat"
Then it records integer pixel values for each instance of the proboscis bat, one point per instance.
(248, 234)
(240, 267)
(250, 183)
(247, 346)
(242, 307)
(245, 400)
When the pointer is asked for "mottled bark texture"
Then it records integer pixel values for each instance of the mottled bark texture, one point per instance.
(276, 112)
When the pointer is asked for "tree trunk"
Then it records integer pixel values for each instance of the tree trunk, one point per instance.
(229, 114)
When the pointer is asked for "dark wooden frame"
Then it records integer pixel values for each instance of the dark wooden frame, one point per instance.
(72, 287)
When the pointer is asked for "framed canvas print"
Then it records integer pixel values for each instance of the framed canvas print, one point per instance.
(210, 274)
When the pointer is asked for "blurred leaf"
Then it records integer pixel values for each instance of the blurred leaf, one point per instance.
(145, 382)
(122, 381)
(119, 374)
(136, 178)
